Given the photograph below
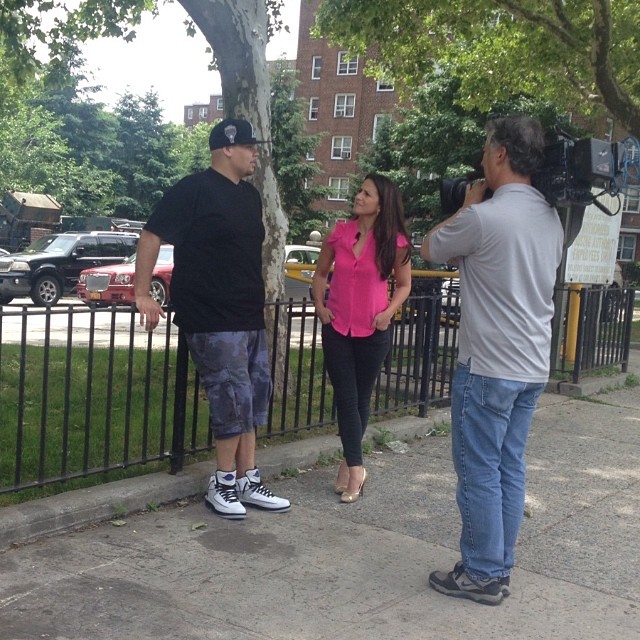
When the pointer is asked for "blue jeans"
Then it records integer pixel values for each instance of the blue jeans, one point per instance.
(490, 424)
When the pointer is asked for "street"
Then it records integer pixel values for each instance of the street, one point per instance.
(77, 325)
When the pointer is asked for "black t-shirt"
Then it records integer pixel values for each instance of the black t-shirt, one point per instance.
(216, 228)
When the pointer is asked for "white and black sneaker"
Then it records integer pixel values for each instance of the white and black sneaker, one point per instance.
(251, 491)
(221, 496)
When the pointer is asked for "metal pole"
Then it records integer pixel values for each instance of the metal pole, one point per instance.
(180, 405)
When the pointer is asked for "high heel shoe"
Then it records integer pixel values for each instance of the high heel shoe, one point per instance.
(354, 497)
(340, 487)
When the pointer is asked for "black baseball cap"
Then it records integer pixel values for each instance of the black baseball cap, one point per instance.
(232, 131)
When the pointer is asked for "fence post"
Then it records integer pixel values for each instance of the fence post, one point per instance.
(425, 316)
(573, 318)
(179, 405)
(581, 329)
(626, 345)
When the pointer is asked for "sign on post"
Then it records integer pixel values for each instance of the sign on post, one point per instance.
(591, 258)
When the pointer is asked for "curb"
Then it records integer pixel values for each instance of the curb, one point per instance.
(587, 386)
(27, 522)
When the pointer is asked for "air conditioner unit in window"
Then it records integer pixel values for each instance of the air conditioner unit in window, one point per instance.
(346, 155)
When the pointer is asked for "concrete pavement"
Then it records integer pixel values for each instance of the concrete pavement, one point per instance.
(328, 570)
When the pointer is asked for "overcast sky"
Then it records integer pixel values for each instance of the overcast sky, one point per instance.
(164, 58)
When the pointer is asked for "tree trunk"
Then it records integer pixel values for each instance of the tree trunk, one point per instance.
(237, 33)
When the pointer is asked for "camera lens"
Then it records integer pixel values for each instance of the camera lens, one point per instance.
(452, 192)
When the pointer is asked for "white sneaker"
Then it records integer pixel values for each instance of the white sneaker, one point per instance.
(222, 498)
(251, 491)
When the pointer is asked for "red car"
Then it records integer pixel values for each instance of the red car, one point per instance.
(114, 284)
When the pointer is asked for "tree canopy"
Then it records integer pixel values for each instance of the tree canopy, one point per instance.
(579, 54)
(436, 138)
(290, 152)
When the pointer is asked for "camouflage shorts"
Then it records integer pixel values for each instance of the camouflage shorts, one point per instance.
(234, 371)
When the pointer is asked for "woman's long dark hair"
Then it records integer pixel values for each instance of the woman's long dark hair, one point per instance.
(388, 224)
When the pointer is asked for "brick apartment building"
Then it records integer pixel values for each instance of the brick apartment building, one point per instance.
(629, 239)
(342, 103)
(214, 109)
(346, 106)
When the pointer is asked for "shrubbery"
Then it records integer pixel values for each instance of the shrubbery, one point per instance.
(631, 273)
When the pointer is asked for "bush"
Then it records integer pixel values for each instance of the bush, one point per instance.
(631, 273)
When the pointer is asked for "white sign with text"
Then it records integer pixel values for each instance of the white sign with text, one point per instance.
(592, 256)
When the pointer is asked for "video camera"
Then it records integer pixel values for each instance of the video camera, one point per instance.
(569, 171)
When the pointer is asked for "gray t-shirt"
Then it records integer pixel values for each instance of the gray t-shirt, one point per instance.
(511, 246)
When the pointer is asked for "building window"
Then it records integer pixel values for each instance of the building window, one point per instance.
(316, 67)
(313, 108)
(338, 188)
(311, 156)
(341, 148)
(626, 247)
(347, 64)
(384, 85)
(220, 104)
(631, 201)
(189, 114)
(378, 119)
(345, 105)
(203, 113)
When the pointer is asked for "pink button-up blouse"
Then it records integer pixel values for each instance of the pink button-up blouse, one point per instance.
(357, 293)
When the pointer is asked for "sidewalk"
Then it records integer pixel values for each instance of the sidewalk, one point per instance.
(332, 571)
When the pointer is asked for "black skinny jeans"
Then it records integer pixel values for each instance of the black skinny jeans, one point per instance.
(353, 365)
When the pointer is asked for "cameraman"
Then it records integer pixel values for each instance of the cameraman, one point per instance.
(508, 249)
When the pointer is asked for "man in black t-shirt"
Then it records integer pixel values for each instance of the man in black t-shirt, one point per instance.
(214, 221)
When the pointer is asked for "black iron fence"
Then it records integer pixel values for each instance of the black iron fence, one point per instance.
(85, 392)
(594, 332)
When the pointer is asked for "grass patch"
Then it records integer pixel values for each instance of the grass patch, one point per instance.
(119, 510)
(382, 437)
(632, 380)
(69, 413)
(76, 418)
(329, 459)
(591, 399)
(441, 429)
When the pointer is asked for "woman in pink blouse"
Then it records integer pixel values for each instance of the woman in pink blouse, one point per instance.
(356, 317)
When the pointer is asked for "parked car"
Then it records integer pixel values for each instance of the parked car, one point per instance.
(50, 267)
(114, 285)
(445, 283)
(294, 287)
(106, 286)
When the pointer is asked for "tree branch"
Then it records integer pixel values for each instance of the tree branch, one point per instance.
(543, 21)
(617, 100)
(558, 7)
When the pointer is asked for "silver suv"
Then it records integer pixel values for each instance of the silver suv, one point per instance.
(50, 267)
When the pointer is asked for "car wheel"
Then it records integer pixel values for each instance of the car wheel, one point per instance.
(46, 291)
(5, 300)
(158, 291)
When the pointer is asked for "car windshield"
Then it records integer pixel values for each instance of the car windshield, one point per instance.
(165, 256)
(51, 244)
